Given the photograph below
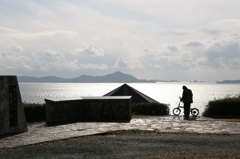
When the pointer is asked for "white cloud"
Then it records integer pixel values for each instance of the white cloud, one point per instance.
(223, 52)
(125, 35)
(88, 50)
(42, 25)
(172, 48)
(193, 44)
(96, 38)
(26, 66)
(223, 26)
(67, 65)
(218, 53)
(158, 67)
(16, 48)
(45, 52)
(122, 63)
(76, 65)
(7, 33)
(15, 62)
(94, 66)
(5, 30)
(45, 13)
(175, 32)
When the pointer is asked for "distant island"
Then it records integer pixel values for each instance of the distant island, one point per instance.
(229, 82)
(116, 77)
(196, 81)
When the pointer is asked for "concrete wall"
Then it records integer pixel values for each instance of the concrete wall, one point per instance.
(12, 117)
(89, 109)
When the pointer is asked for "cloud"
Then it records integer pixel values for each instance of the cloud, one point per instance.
(122, 63)
(61, 33)
(172, 48)
(16, 48)
(26, 66)
(221, 53)
(15, 62)
(224, 52)
(96, 38)
(94, 66)
(12, 58)
(5, 30)
(76, 65)
(43, 25)
(174, 32)
(8, 33)
(158, 67)
(67, 64)
(211, 31)
(223, 26)
(101, 36)
(193, 44)
(47, 53)
(88, 50)
(45, 13)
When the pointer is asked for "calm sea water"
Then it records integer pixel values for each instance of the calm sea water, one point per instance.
(168, 93)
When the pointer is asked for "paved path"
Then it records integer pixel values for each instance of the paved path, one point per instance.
(42, 133)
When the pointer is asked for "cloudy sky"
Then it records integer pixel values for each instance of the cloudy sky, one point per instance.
(150, 39)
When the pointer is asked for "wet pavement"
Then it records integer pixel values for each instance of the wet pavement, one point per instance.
(167, 124)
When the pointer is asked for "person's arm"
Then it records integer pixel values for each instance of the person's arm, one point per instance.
(183, 96)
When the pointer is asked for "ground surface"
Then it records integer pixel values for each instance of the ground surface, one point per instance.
(132, 144)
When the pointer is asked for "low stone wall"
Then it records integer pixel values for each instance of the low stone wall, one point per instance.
(107, 109)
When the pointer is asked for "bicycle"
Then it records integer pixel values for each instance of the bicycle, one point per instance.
(176, 111)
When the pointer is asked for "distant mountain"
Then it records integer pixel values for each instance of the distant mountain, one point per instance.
(116, 77)
(229, 82)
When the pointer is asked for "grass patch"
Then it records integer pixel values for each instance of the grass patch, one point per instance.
(34, 112)
(150, 109)
(228, 107)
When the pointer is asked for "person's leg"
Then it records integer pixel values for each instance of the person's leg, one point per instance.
(186, 110)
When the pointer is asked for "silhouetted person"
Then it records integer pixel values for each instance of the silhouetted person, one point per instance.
(187, 99)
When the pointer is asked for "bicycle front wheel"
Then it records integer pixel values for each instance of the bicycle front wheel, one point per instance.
(176, 111)
(194, 112)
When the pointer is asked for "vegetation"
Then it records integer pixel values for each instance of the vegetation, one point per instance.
(228, 107)
(37, 112)
(34, 112)
(150, 109)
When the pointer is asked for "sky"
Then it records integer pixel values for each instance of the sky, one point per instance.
(150, 39)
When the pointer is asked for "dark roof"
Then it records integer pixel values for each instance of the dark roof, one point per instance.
(137, 96)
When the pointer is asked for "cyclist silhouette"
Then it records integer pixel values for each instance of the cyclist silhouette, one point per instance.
(187, 99)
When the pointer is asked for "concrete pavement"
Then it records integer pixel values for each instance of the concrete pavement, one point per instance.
(167, 124)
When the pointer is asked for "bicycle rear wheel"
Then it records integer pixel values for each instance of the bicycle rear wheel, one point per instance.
(176, 111)
(194, 112)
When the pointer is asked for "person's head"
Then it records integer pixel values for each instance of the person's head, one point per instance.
(184, 87)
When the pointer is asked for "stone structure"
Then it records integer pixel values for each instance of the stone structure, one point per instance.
(137, 96)
(88, 109)
(12, 117)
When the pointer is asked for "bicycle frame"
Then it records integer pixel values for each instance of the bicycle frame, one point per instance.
(179, 104)
(177, 110)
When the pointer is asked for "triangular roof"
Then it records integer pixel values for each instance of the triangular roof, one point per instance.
(137, 96)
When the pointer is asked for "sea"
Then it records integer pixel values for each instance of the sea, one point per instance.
(167, 93)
